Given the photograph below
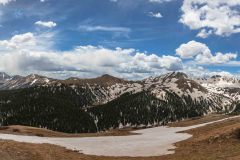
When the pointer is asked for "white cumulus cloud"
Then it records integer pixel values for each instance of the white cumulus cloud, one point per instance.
(49, 24)
(4, 2)
(17, 41)
(155, 15)
(219, 17)
(202, 54)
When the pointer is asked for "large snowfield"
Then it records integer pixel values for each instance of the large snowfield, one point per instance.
(149, 142)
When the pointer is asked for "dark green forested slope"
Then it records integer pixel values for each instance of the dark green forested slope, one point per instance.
(143, 109)
(63, 108)
(56, 108)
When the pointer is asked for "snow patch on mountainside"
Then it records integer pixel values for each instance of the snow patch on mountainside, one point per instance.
(175, 83)
(228, 86)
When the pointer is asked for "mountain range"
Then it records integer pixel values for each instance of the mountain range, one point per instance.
(90, 105)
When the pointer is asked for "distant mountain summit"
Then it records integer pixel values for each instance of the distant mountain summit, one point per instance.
(177, 83)
(18, 82)
(104, 80)
(228, 86)
(3, 77)
(220, 81)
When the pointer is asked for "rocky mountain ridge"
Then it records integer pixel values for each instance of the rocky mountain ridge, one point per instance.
(110, 87)
(108, 102)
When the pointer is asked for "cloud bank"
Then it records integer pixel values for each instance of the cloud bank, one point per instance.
(28, 53)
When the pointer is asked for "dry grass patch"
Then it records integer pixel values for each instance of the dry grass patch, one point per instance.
(41, 132)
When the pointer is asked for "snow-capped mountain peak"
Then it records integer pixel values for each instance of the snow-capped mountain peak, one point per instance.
(4, 77)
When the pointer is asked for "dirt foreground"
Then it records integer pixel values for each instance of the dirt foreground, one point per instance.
(218, 141)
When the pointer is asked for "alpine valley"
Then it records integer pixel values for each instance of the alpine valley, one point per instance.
(79, 105)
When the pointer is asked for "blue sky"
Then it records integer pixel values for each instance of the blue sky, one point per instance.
(153, 29)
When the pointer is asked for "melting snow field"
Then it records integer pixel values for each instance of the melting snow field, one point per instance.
(150, 142)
